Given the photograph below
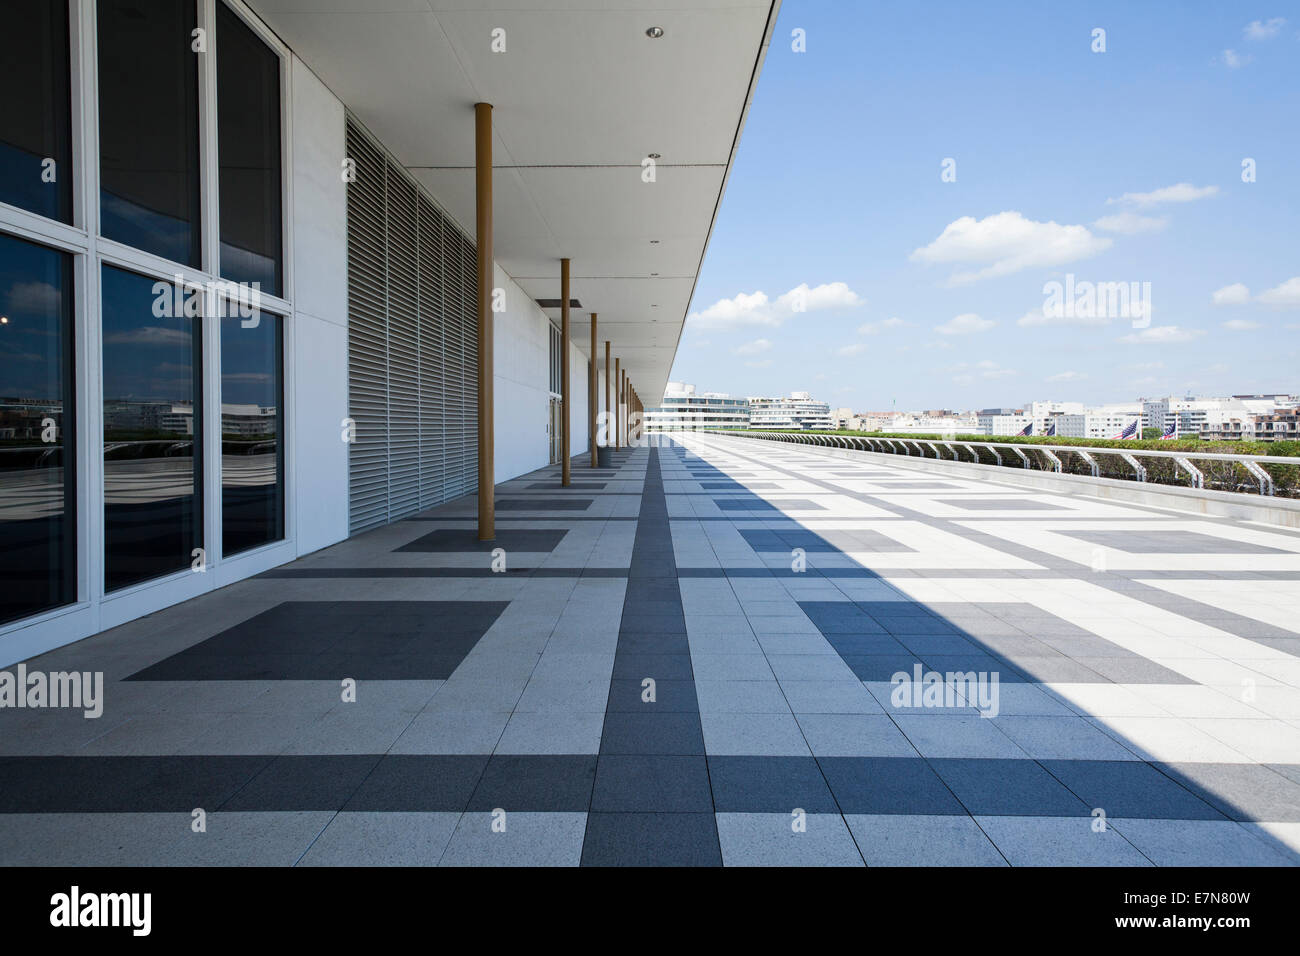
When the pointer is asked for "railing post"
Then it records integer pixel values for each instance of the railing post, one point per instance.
(1096, 469)
(1136, 465)
(1198, 479)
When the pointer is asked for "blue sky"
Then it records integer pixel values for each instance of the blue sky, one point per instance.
(1116, 166)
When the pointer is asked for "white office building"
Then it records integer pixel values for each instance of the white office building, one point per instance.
(1044, 413)
(1004, 424)
(684, 409)
(799, 411)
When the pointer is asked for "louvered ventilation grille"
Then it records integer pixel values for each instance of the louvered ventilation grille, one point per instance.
(412, 345)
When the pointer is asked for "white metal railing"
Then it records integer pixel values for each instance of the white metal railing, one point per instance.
(1181, 461)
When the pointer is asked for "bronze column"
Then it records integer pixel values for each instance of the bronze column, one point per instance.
(591, 397)
(564, 372)
(483, 233)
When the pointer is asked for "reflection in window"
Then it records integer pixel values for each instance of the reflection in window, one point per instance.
(36, 109)
(149, 127)
(37, 518)
(248, 144)
(252, 432)
(152, 435)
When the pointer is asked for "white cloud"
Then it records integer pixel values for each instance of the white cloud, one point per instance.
(1286, 295)
(1235, 294)
(753, 348)
(1179, 192)
(1234, 60)
(1066, 377)
(1264, 29)
(1042, 316)
(855, 349)
(1240, 325)
(986, 369)
(149, 335)
(1161, 335)
(830, 295)
(755, 308)
(871, 328)
(965, 324)
(1007, 242)
(1130, 223)
(38, 297)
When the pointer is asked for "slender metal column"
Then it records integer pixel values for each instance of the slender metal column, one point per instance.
(622, 405)
(483, 233)
(618, 400)
(609, 421)
(591, 397)
(565, 405)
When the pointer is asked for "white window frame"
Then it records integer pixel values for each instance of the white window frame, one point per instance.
(93, 609)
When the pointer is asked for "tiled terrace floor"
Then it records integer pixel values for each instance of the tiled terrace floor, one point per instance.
(1148, 666)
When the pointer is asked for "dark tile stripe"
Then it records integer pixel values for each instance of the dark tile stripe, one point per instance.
(652, 803)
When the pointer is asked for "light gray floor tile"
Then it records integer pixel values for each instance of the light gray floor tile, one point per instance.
(922, 840)
(769, 735)
(382, 839)
(528, 839)
(770, 839)
(854, 735)
(1059, 841)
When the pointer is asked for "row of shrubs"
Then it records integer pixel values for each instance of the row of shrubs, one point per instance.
(1218, 475)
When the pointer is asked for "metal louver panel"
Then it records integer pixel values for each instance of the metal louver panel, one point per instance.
(367, 338)
(403, 349)
(412, 345)
(432, 383)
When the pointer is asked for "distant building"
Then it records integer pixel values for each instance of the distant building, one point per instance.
(799, 411)
(248, 421)
(1100, 421)
(684, 409)
(844, 419)
(930, 423)
(1005, 423)
(1045, 414)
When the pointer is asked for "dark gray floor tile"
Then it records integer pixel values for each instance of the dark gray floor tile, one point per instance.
(651, 839)
(536, 783)
(997, 787)
(769, 785)
(654, 784)
(887, 785)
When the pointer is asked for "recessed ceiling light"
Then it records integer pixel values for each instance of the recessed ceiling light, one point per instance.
(655, 33)
(4, 320)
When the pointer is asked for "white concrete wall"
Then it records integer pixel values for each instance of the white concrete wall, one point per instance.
(578, 436)
(520, 349)
(317, 350)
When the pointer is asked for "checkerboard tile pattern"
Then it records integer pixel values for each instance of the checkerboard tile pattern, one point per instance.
(704, 655)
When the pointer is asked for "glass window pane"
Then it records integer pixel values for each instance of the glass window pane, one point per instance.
(38, 527)
(153, 513)
(36, 108)
(149, 127)
(248, 144)
(252, 432)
